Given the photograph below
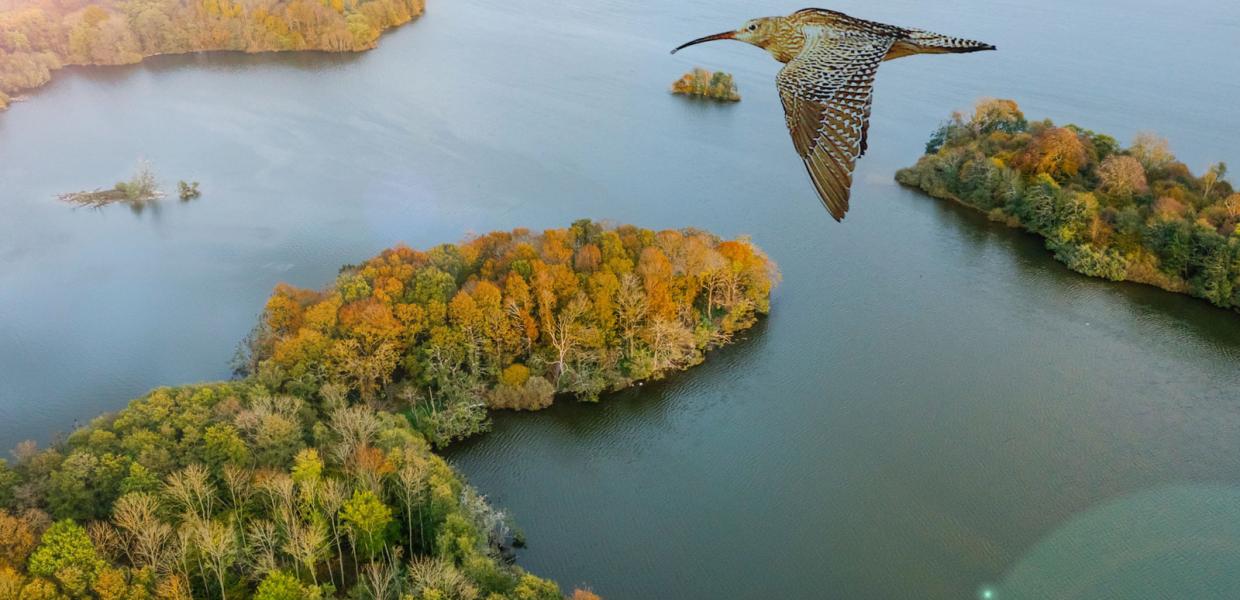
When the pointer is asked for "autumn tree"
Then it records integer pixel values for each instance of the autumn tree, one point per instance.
(18, 535)
(366, 518)
(993, 114)
(1057, 151)
(67, 555)
(1122, 176)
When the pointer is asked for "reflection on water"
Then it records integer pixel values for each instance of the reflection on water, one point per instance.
(932, 396)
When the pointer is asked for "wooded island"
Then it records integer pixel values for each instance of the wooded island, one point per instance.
(702, 83)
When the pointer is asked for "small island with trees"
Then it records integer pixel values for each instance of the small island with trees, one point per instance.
(40, 36)
(1125, 214)
(313, 475)
(137, 192)
(701, 83)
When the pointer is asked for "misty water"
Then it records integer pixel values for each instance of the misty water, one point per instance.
(934, 409)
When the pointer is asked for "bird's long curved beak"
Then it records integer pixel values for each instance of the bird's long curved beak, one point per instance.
(727, 35)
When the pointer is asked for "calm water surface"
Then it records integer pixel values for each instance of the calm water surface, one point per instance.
(934, 408)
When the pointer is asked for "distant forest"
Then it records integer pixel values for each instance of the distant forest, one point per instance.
(1131, 213)
(40, 36)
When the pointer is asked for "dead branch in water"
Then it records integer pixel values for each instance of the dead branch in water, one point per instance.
(94, 199)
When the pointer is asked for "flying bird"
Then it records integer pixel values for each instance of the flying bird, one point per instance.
(827, 83)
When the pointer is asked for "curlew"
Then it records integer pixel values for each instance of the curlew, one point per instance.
(827, 83)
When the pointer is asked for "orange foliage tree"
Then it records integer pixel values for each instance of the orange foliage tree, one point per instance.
(1056, 151)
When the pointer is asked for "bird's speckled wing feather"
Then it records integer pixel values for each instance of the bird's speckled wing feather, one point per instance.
(827, 94)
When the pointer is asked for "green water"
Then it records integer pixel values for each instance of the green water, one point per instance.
(934, 409)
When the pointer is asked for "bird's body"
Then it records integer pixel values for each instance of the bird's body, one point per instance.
(827, 83)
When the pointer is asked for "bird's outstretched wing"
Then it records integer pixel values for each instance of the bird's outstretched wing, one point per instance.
(827, 92)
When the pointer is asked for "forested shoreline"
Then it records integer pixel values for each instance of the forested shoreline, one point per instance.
(313, 475)
(1125, 214)
(40, 36)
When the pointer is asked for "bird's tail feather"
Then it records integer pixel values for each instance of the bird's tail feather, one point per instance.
(937, 43)
(927, 42)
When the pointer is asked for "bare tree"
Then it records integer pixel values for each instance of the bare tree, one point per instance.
(107, 540)
(354, 426)
(332, 496)
(145, 535)
(240, 484)
(671, 344)
(187, 549)
(566, 332)
(281, 495)
(307, 543)
(1123, 176)
(382, 579)
(218, 544)
(411, 483)
(264, 539)
(427, 574)
(631, 308)
(192, 491)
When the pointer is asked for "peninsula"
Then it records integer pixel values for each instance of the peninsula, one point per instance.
(1122, 213)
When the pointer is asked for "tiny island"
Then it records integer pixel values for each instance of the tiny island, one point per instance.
(137, 192)
(701, 83)
(39, 38)
(1125, 214)
(313, 474)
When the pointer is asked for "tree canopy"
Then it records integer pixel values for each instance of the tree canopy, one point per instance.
(509, 319)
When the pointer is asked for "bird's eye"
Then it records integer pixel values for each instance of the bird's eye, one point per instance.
(753, 27)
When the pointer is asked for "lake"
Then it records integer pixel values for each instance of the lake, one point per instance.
(935, 408)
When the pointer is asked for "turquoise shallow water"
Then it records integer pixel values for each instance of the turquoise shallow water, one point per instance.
(933, 403)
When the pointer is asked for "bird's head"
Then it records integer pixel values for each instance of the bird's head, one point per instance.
(759, 32)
